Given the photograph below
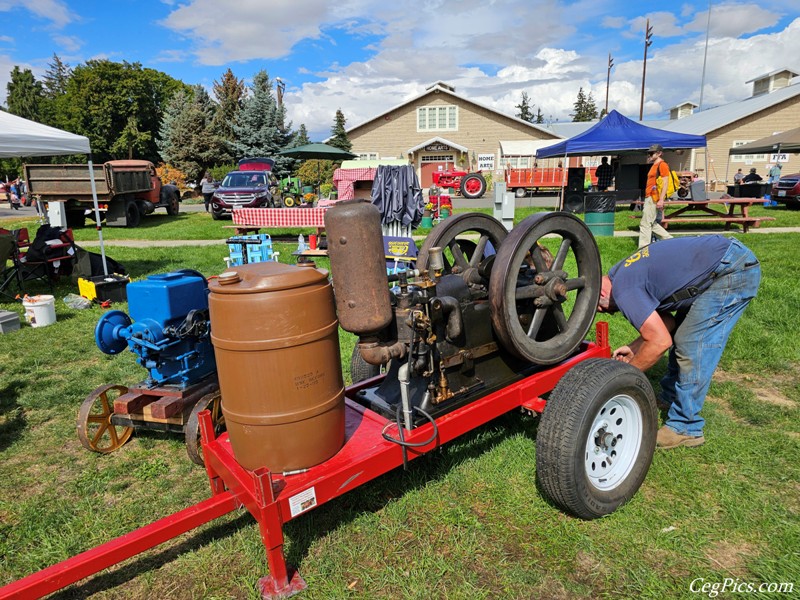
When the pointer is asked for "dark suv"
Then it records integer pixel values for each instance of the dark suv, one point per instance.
(252, 186)
(787, 190)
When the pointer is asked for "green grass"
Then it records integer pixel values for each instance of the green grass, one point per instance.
(464, 522)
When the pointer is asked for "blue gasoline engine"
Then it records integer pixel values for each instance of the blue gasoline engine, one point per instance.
(168, 328)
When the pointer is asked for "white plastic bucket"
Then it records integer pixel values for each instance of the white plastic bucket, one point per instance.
(40, 311)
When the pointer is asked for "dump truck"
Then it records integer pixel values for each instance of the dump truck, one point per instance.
(126, 190)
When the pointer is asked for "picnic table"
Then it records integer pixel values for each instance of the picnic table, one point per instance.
(722, 210)
(252, 220)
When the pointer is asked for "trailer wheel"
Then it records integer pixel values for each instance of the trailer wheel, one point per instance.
(361, 369)
(174, 206)
(95, 429)
(212, 402)
(76, 218)
(133, 216)
(520, 192)
(596, 438)
(473, 185)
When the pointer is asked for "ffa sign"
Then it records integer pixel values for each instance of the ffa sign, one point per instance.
(437, 148)
(779, 158)
(486, 162)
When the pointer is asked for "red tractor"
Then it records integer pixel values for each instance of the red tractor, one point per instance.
(469, 185)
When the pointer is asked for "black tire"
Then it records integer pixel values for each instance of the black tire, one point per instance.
(76, 218)
(216, 214)
(289, 201)
(174, 206)
(473, 185)
(520, 192)
(570, 463)
(133, 216)
(212, 402)
(361, 369)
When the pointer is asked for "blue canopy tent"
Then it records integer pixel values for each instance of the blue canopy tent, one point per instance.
(617, 134)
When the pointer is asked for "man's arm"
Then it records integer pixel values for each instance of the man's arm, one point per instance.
(655, 338)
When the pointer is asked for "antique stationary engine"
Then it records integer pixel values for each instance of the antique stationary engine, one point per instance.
(167, 330)
(483, 309)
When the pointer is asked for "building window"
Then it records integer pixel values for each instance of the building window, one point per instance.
(437, 118)
(439, 158)
(517, 162)
(368, 156)
(746, 158)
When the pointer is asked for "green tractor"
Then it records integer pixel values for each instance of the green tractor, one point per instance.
(291, 191)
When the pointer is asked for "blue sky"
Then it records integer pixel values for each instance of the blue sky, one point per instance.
(366, 56)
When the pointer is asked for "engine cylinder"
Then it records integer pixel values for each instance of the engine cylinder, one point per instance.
(358, 267)
(275, 335)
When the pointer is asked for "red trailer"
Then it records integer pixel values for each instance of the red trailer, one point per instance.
(522, 181)
(277, 498)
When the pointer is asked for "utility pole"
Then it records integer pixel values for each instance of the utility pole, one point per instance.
(648, 39)
(608, 79)
(705, 57)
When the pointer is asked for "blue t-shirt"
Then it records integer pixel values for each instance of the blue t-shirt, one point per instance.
(644, 281)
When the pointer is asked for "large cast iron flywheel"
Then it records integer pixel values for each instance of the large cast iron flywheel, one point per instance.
(467, 240)
(543, 308)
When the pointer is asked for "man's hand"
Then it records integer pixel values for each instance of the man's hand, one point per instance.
(623, 354)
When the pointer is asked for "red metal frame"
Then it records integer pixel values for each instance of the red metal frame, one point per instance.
(274, 499)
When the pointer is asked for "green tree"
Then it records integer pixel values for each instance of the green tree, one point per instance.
(539, 116)
(56, 77)
(230, 94)
(316, 172)
(25, 95)
(339, 137)
(301, 137)
(584, 107)
(525, 108)
(186, 133)
(259, 129)
(117, 105)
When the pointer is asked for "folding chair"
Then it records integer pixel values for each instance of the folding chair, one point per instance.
(46, 266)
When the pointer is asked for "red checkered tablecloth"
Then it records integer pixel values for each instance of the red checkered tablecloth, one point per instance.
(279, 217)
(343, 180)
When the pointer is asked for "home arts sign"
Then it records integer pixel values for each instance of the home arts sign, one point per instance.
(437, 148)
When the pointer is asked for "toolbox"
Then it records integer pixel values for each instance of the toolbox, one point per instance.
(104, 287)
(9, 321)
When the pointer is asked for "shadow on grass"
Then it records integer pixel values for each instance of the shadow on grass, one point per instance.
(12, 417)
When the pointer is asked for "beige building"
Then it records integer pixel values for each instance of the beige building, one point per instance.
(439, 130)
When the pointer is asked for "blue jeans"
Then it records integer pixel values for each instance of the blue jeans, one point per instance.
(701, 336)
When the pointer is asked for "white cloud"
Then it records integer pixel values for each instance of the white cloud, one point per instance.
(55, 11)
(70, 43)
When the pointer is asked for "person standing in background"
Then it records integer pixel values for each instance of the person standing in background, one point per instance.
(653, 198)
(207, 189)
(737, 178)
(605, 175)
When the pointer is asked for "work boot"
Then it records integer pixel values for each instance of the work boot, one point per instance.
(668, 439)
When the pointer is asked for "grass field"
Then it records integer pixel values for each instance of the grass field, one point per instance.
(465, 522)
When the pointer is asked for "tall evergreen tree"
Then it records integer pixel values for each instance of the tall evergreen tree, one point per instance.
(56, 77)
(584, 107)
(260, 128)
(186, 132)
(525, 108)
(25, 95)
(301, 137)
(230, 94)
(339, 137)
(539, 116)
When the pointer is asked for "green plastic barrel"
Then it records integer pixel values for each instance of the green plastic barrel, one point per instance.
(427, 222)
(444, 213)
(601, 224)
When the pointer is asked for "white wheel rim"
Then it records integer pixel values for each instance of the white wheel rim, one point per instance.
(613, 443)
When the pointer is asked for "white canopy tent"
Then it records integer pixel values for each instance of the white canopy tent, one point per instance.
(20, 137)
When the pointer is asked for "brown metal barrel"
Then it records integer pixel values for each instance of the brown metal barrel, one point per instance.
(276, 342)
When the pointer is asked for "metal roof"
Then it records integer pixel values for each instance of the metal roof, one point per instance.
(706, 121)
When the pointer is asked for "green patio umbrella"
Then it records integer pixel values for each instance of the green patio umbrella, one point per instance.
(318, 151)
